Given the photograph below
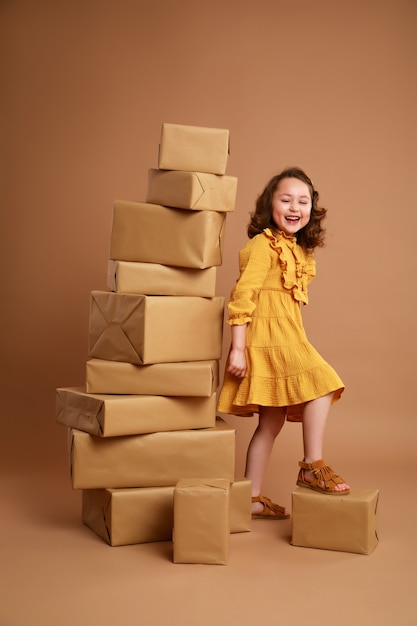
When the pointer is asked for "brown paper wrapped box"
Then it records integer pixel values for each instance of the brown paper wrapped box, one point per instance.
(186, 378)
(193, 148)
(152, 460)
(128, 516)
(107, 415)
(151, 233)
(192, 190)
(201, 531)
(343, 523)
(241, 506)
(154, 329)
(154, 279)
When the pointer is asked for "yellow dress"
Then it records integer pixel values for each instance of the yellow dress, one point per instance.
(283, 368)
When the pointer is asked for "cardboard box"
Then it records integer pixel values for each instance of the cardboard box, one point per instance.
(106, 415)
(154, 329)
(187, 378)
(201, 521)
(151, 233)
(129, 516)
(193, 149)
(192, 190)
(152, 460)
(154, 279)
(241, 506)
(345, 523)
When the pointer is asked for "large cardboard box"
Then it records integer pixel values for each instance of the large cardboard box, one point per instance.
(154, 329)
(152, 460)
(186, 378)
(151, 233)
(107, 415)
(193, 148)
(345, 523)
(192, 190)
(154, 279)
(129, 516)
(201, 531)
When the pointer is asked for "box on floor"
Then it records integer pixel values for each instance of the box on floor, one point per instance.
(345, 523)
(201, 532)
(142, 515)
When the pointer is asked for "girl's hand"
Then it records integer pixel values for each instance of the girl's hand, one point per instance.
(237, 363)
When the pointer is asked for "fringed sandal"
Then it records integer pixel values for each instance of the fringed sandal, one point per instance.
(324, 481)
(270, 510)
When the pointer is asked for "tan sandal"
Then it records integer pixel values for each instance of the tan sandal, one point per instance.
(324, 481)
(270, 510)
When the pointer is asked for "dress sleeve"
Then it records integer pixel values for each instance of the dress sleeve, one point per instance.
(255, 261)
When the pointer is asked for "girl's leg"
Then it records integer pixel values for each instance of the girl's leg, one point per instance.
(271, 420)
(314, 422)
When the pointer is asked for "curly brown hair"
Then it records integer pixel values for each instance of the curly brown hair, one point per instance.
(309, 237)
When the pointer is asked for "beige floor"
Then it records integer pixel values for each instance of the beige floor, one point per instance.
(55, 571)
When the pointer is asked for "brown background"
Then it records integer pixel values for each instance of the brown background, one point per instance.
(326, 85)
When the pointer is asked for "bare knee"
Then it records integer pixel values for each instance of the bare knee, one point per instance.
(271, 419)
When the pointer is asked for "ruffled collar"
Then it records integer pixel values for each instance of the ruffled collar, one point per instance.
(279, 235)
(295, 278)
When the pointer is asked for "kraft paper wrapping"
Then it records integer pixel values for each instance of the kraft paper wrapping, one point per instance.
(192, 190)
(343, 523)
(201, 521)
(154, 279)
(142, 329)
(117, 415)
(187, 378)
(151, 233)
(152, 460)
(193, 148)
(241, 506)
(129, 516)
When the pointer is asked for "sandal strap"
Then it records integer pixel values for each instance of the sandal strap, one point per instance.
(268, 504)
(312, 466)
(323, 474)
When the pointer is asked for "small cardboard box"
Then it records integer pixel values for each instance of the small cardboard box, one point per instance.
(107, 415)
(129, 516)
(193, 148)
(344, 523)
(192, 190)
(142, 329)
(241, 506)
(187, 378)
(151, 233)
(201, 521)
(152, 460)
(154, 279)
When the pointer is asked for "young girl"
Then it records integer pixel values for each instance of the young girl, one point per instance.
(272, 369)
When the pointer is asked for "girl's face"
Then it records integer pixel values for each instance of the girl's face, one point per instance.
(291, 205)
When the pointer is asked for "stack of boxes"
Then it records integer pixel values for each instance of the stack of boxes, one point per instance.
(146, 419)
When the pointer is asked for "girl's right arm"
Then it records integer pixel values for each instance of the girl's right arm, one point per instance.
(237, 359)
(254, 269)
